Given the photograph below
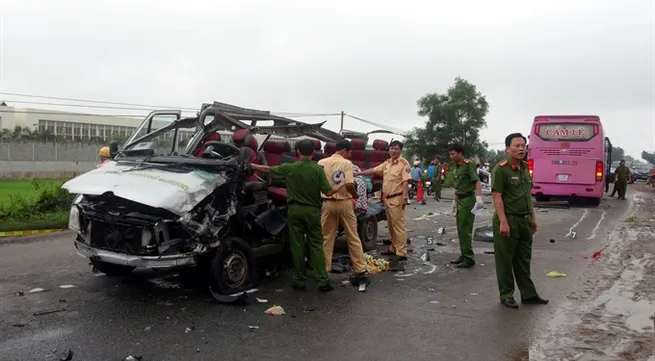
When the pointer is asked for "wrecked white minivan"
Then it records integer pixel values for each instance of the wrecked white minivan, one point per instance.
(176, 198)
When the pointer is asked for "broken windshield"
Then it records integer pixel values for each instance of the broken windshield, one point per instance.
(162, 142)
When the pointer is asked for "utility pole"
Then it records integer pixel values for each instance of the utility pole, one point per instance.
(342, 114)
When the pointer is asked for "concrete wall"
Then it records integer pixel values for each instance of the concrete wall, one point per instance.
(40, 160)
(43, 169)
(49, 152)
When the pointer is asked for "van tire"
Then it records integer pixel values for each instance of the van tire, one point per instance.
(233, 268)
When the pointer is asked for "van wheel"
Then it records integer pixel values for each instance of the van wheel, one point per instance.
(367, 229)
(112, 270)
(233, 268)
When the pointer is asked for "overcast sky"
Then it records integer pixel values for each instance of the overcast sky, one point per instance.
(373, 59)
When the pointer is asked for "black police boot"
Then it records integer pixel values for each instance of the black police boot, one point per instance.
(466, 264)
(509, 302)
(457, 261)
(326, 288)
(536, 300)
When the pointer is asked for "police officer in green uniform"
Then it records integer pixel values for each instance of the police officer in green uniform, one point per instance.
(621, 178)
(514, 224)
(467, 194)
(305, 180)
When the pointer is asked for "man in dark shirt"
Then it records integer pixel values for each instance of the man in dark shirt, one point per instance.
(305, 181)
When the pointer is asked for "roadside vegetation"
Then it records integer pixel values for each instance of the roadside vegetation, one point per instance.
(33, 205)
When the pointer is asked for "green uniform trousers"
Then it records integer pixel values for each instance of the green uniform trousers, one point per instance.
(436, 187)
(621, 188)
(305, 234)
(513, 256)
(465, 223)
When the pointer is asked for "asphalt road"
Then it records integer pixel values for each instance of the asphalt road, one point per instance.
(427, 312)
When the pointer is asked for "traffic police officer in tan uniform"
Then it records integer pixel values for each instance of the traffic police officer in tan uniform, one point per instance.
(395, 172)
(338, 209)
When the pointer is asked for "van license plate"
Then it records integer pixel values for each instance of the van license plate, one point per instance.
(562, 177)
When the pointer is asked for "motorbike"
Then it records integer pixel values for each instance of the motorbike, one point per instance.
(412, 190)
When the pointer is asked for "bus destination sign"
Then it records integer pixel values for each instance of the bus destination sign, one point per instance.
(565, 132)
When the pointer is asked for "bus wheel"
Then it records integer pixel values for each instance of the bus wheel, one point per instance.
(593, 201)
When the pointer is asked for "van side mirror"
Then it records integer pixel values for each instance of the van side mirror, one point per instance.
(113, 149)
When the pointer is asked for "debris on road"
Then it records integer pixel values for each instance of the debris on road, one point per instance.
(189, 329)
(555, 274)
(46, 312)
(362, 287)
(36, 290)
(596, 256)
(341, 263)
(552, 240)
(376, 265)
(19, 325)
(67, 286)
(474, 294)
(253, 327)
(64, 356)
(147, 329)
(133, 358)
(261, 300)
(484, 234)
(275, 311)
(19, 293)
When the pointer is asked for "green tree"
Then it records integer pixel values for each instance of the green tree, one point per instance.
(453, 117)
(495, 156)
(618, 153)
(648, 157)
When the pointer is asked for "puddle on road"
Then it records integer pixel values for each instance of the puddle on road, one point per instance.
(619, 300)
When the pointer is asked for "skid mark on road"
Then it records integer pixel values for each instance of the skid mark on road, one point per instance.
(593, 231)
(584, 214)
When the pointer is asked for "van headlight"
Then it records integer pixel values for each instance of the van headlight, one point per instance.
(74, 219)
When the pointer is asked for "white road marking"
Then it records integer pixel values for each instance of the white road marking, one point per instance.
(593, 232)
(584, 214)
(432, 269)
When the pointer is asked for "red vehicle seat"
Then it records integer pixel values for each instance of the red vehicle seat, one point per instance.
(329, 148)
(378, 155)
(273, 151)
(211, 137)
(277, 195)
(244, 139)
(359, 154)
(318, 155)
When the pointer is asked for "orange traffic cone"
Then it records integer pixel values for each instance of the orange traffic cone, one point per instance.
(419, 192)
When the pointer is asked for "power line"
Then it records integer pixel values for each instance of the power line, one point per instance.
(385, 127)
(140, 116)
(129, 106)
(140, 107)
(93, 101)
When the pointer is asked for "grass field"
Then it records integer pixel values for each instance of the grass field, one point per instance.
(25, 188)
(30, 190)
